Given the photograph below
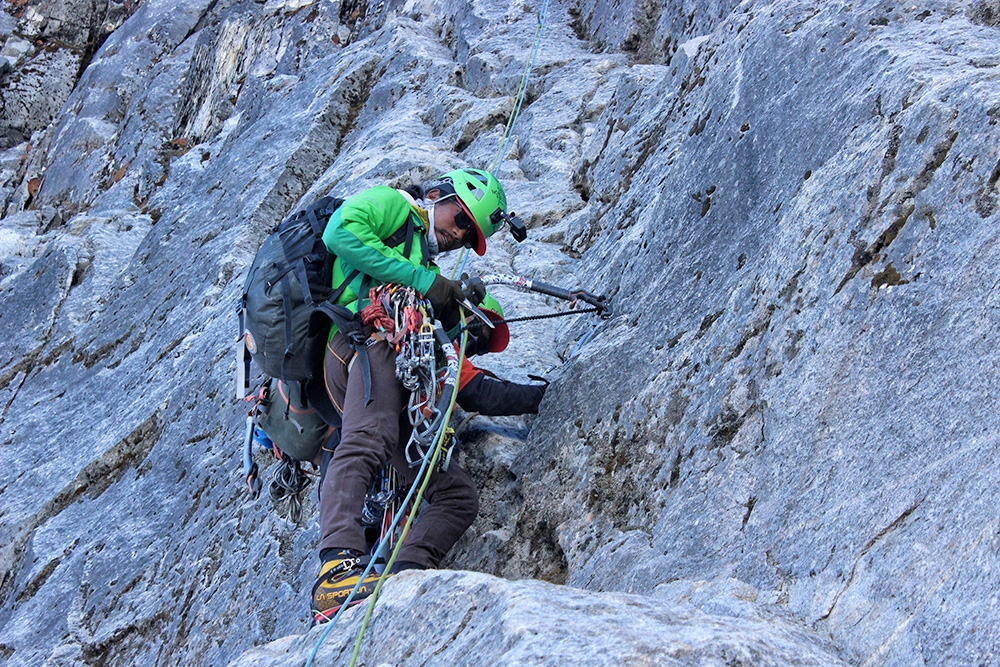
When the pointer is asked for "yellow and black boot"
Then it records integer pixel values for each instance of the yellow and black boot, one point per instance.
(337, 578)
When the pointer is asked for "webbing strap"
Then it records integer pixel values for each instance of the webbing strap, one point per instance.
(366, 370)
(303, 276)
(409, 238)
(343, 286)
(319, 206)
(286, 298)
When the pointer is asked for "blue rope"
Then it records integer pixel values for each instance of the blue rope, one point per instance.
(371, 564)
(502, 153)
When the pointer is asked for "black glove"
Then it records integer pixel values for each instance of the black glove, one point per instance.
(444, 296)
(474, 289)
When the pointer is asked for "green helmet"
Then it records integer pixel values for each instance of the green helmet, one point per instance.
(481, 197)
(491, 304)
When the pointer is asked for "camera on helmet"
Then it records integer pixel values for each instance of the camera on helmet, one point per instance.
(517, 227)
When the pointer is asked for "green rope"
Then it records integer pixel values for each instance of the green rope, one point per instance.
(416, 502)
(522, 91)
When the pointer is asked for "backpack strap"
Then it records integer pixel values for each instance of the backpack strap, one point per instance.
(349, 324)
(317, 215)
(343, 286)
(404, 235)
(242, 353)
(286, 294)
(322, 207)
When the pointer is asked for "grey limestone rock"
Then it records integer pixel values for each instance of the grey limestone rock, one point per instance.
(782, 449)
(472, 619)
(48, 45)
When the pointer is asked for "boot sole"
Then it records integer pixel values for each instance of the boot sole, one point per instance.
(321, 617)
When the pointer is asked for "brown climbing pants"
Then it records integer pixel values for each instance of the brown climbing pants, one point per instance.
(372, 435)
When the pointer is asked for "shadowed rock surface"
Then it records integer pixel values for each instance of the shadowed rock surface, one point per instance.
(782, 448)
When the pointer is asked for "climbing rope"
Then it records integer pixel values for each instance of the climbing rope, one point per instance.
(288, 482)
(448, 397)
(508, 132)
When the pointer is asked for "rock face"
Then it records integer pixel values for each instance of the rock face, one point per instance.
(464, 618)
(781, 450)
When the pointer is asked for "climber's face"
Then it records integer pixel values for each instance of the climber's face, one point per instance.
(451, 222)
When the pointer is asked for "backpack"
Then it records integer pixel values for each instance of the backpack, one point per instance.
(291, 423)
(288, 284)
(282, 422)
(289, 277)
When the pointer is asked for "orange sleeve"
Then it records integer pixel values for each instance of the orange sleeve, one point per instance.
(466, 373)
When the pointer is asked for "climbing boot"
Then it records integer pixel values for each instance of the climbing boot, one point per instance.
(337, 578)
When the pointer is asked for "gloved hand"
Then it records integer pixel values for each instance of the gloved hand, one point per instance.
(444, 296)
(474, 288)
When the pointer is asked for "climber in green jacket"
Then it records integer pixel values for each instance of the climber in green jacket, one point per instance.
(467, 207)
(381, 236)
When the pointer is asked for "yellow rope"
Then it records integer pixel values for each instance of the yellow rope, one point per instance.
(442, 435)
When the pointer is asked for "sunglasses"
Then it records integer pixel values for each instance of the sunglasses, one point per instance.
(462, 220)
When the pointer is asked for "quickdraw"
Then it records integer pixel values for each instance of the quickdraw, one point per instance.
(382, 502)
(258, 402)
(426, 360)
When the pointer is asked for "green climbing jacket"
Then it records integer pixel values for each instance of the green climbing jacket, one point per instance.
(356, 233)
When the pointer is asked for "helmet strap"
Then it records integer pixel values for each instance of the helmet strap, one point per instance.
(432, 242)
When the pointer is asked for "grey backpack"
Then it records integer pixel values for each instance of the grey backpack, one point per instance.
(292, 424)
(289, 278)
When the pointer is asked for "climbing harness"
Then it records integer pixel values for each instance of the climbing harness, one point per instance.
(407, 320)
(413, 499)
